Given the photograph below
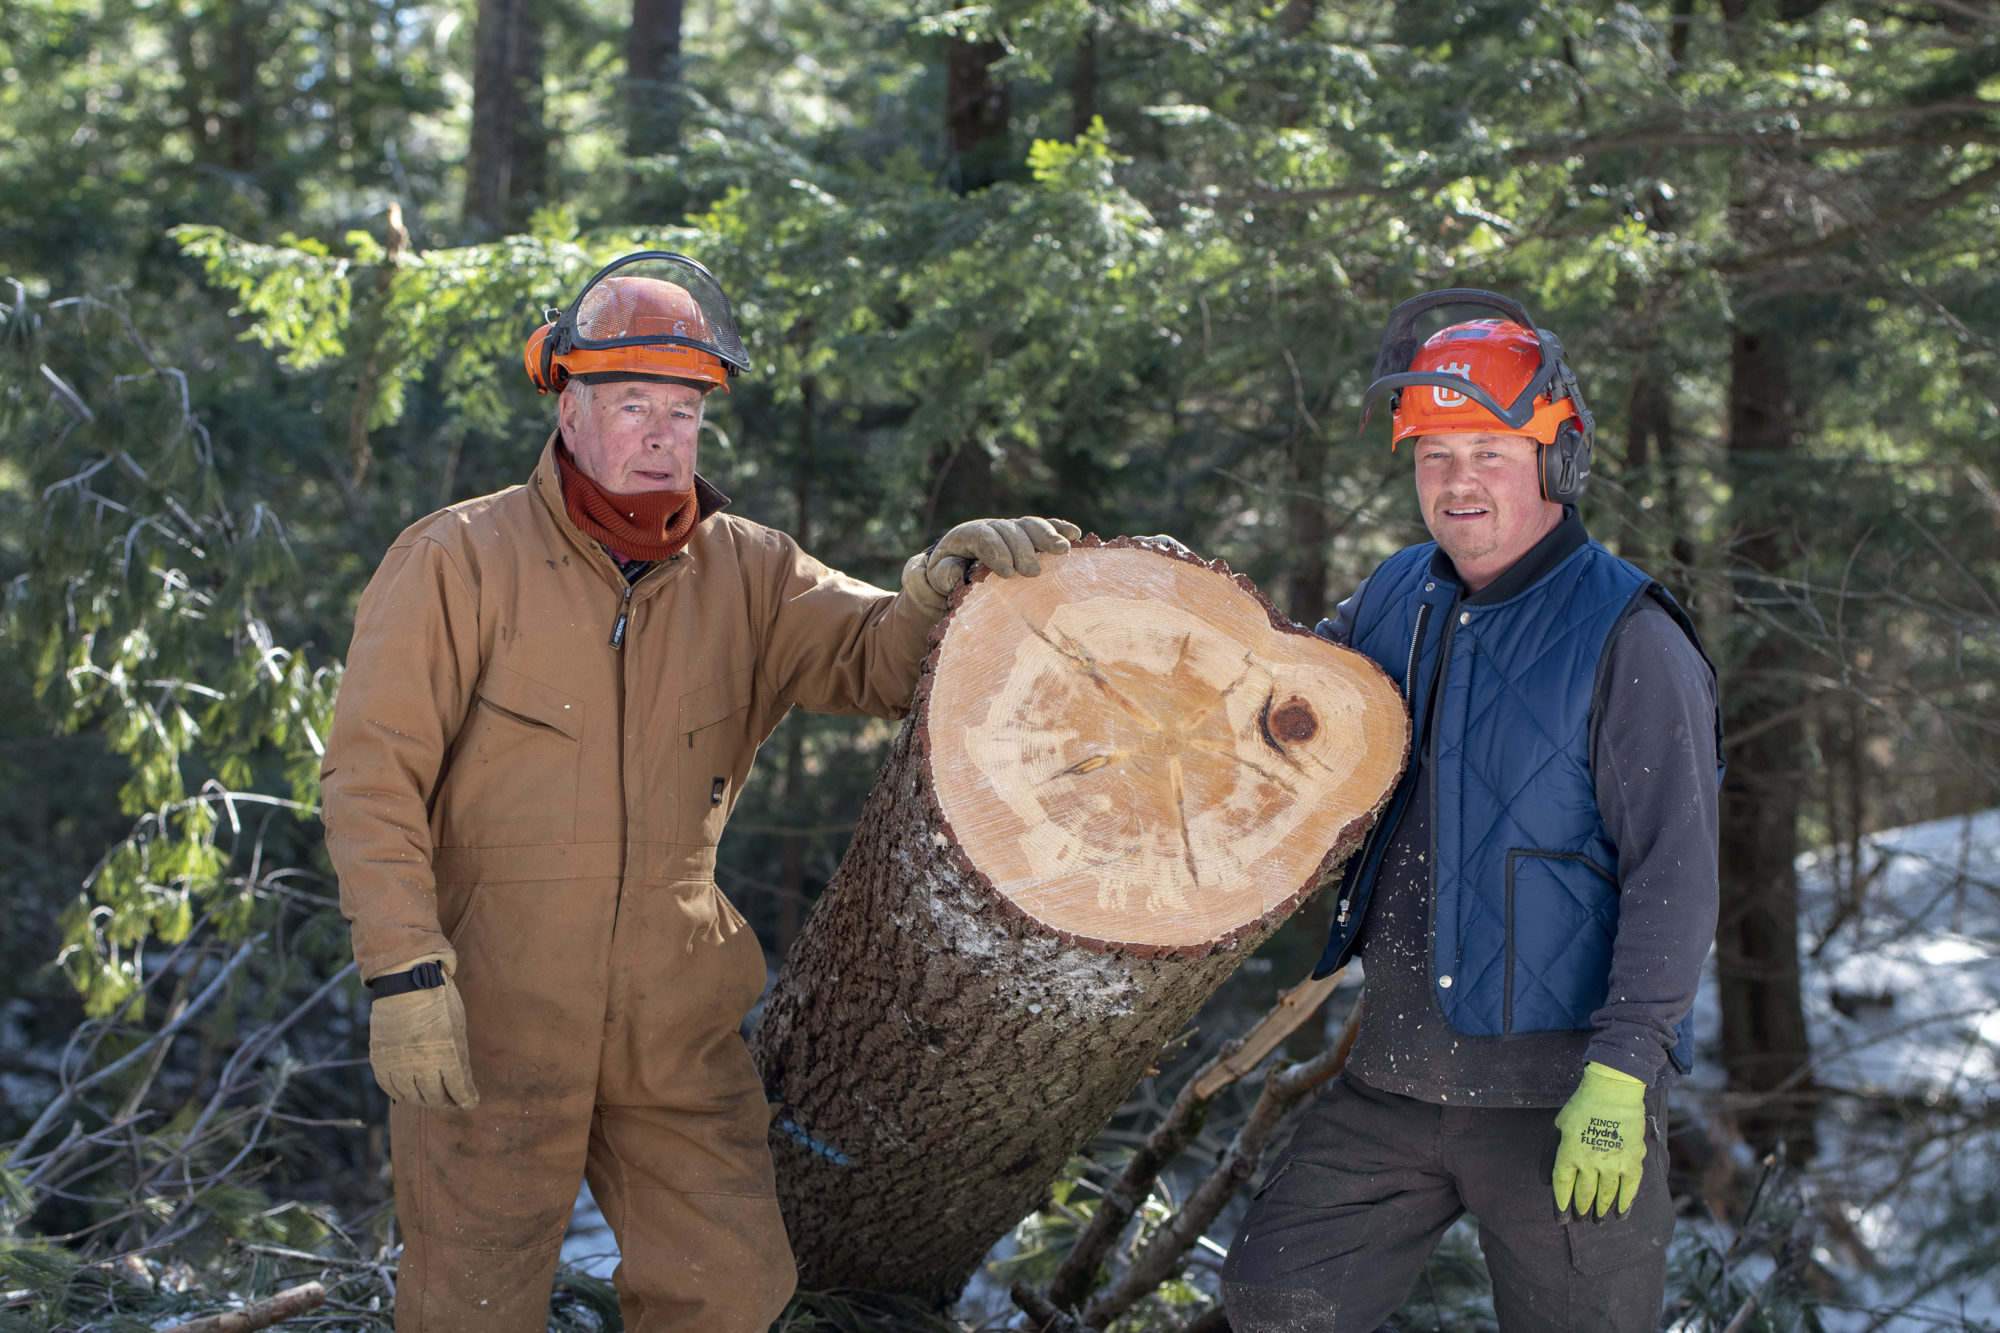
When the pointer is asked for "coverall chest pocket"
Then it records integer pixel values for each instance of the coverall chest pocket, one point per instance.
(712, 743)
(512, 778)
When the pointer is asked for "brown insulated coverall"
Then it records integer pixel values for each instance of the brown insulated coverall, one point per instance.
(504, 785)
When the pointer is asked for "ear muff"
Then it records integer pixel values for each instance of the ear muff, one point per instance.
(1566, 464)
(543, 372)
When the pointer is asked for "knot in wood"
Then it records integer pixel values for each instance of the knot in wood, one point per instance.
(1293, 721)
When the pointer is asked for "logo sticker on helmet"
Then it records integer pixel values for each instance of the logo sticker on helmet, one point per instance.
(1445, 397)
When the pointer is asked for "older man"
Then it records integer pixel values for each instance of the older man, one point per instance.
(552, 701)
(1535, 903)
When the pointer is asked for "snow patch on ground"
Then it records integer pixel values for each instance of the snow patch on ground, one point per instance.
(589, 1246)
(1900, 977)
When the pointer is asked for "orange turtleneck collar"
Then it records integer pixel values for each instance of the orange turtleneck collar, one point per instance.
(645, 525)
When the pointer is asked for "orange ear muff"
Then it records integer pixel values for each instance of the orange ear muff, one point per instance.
(543, 373)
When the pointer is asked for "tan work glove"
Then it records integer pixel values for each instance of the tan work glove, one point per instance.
(1007, 546)
(416, 1043)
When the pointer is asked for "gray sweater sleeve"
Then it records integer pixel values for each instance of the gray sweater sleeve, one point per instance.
(1653, 762)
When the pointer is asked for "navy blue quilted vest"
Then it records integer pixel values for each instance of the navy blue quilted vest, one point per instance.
(1524, 874)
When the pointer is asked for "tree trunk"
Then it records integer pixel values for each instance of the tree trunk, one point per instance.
(1656, 456)
(1764, 1041)
(1681, 21)
(976, 108)
(1083, 85)
(1307, 528)
(242, 111)
(1116, 779)
(369, 324)
(653, 77)
(528, 172)
(507, 156)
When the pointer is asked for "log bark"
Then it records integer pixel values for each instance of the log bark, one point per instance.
(1115, 781)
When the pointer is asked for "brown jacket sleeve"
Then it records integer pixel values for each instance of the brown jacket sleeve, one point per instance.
(833, 644)
(410, 676)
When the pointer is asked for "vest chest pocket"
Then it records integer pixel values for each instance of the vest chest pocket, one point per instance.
(709, 745)
(512, 777)
(1562, 912)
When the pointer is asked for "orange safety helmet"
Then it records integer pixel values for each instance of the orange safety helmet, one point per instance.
(1485, 375)
(665, 319)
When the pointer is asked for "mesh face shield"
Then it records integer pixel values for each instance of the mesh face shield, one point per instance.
(652, 315)
(1551, 378)
(626, 305)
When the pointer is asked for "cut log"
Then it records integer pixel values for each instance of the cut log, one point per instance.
(1115, 781)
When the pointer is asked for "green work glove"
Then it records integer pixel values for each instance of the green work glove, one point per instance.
(416, 1044)
(1603, 1141)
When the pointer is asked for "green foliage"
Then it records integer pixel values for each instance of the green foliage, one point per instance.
(144, 593)
(226, 381)
(1454, 1294)
(300, 296)
(1752, 1277)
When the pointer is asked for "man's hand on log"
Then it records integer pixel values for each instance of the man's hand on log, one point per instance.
(1007, 546)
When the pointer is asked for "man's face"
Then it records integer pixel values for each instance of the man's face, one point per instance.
(1482, 499)
(633, 435)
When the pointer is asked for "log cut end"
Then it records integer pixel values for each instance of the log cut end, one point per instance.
(1135, 751)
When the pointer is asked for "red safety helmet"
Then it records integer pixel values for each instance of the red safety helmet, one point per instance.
(649, 316)
(1485, 375)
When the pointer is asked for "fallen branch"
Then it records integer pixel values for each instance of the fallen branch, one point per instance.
(1047, 1318)
(1287, 1016)
(55, 1108)
(287, 1304)
(1168, 1249)
(1122, 1201)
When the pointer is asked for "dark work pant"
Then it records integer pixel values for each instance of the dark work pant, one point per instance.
(1339, 1233)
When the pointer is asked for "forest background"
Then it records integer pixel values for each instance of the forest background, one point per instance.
(266, 268)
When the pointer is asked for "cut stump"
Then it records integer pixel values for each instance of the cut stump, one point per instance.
(1115, 781)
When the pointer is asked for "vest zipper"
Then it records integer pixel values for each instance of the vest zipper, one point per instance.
(1416, 652)
(624, 613)
(1429, 741)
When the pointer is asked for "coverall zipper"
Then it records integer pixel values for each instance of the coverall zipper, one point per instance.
(624, 613)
